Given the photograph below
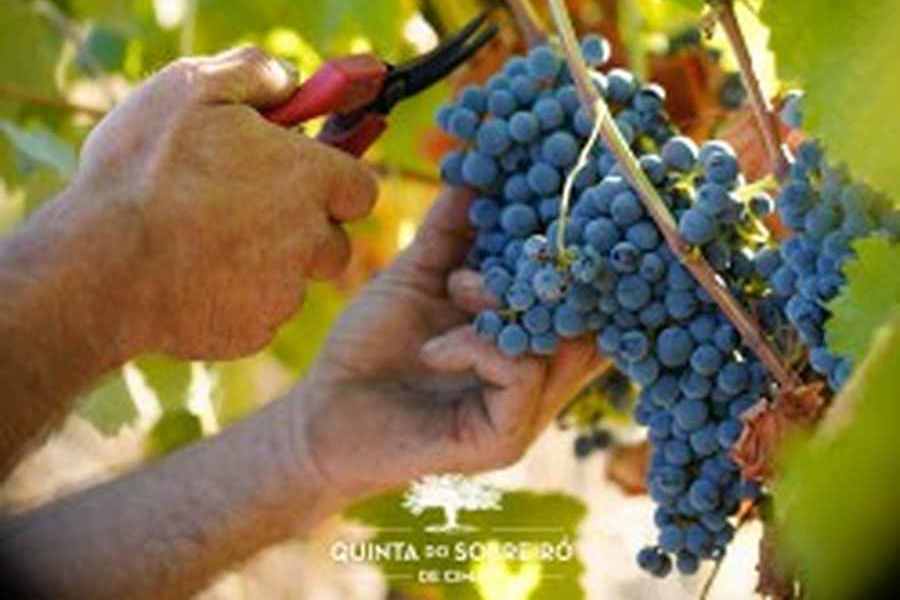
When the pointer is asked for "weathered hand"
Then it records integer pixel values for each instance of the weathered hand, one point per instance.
(214, 216)
(405, 387)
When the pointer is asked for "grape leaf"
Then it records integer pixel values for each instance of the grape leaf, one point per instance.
(41, 146)
(836, 503)
(109, 407)
(695, 5)
(174, 429)
(298, 341)
(106, 10)
(170, 379)
(29, 56)
(40, 185)
(524, 517)
(840, 53)
(105, 46)
(870, 298)
(403, 146)
(235, 392)
(329, 27)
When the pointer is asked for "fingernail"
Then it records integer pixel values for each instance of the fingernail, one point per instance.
(471, 281)
(433, 346)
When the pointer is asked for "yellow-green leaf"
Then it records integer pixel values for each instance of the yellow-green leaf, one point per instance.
(109, 407)
(870, 298)
(842, 53)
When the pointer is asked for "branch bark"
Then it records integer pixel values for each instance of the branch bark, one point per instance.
(528, 22)
(747, 326)
(9, 90)
(766, 119)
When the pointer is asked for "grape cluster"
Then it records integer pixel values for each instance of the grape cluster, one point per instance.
(608, 272)
(825, 212)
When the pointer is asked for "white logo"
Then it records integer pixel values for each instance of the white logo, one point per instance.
(452, 493)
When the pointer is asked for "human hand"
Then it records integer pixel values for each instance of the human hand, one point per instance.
(405, 387)
(203, 219)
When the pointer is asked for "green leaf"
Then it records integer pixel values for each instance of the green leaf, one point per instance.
(175, 429)
(330, 27)
(235, 393)
(170, 379)
(403, 146)
(869, 300)
(529, 517)
(837, 499)
(145, 46)
(106, 10)
(109, 407)
(450, 16)
(40, 186)
(41, 146)
(841, 53)
(105, 46)
(694, 5)
(29, 52)
(299, 340)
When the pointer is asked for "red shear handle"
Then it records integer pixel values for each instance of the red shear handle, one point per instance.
(340, 86)
(354, 139)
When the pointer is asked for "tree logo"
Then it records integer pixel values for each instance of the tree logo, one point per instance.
(452, 493)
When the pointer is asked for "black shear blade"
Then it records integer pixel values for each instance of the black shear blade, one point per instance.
(412, 77)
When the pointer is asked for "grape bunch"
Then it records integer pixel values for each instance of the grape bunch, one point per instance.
(826, 212)
(607, 272)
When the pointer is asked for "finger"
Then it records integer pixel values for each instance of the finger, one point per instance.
(348, 188)
(245, 75)
(445, 236)
(466, 290)
(461, 349)
(575, 364)
(514, 405)
(332, 256)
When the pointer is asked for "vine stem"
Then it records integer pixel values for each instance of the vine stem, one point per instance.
(766, 120)
(746, 325)
(8, 90)
(528, 22)
(706, 590)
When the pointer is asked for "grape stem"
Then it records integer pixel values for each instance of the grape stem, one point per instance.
(528, 22)
(746, 325)
(766, 119)
(566, 198)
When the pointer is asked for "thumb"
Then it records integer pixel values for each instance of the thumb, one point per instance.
(246, 75)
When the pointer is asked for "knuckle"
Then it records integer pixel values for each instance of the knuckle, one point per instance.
(184, 75)
(256, 63)
(509, 454)
(364, 190)
(331, 254)
(368, 185)
(253, 55)
(358, 194)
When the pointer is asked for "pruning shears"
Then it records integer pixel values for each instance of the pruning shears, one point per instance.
(357, 92)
